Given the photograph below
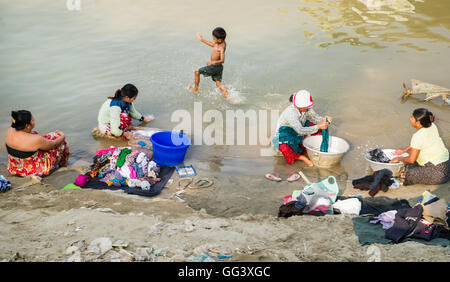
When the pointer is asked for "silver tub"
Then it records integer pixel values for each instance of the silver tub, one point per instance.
(338, 147)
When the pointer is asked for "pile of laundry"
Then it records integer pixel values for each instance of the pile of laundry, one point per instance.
(315, 199)
(429, 219)
(322, 198)
(129, 168)
(5, 185)
(379, 180)
(125, 167)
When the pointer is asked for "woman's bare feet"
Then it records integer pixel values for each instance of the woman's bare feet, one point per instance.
(306, 160)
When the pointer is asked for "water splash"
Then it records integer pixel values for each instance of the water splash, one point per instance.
(235, 97)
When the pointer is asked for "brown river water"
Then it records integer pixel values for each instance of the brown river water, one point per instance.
(352, 55)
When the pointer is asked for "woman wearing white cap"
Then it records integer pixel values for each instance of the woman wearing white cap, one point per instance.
(294, 124)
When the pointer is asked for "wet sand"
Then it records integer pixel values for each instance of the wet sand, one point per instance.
(41, 222)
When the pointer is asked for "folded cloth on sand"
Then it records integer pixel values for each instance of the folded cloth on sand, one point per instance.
(374, 234)
(349, 206)
(386, 219)
(375, 206)
(5, 185)
(289, 210)
(427, 231)
(405, 223)
(379, 180)
(71, 186)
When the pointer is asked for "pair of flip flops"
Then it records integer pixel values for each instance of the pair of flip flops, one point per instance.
(188, 183)
(276, 177)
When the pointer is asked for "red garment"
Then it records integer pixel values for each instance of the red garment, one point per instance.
(289, 154)
(125, 121)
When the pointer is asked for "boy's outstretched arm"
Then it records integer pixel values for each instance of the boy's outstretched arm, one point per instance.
(199, 36)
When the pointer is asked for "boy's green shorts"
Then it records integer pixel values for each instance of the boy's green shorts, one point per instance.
(214, 71)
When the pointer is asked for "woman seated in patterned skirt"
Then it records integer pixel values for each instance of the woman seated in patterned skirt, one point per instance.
(30, 153)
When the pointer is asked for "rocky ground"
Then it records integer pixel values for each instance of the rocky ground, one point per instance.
(41, 222)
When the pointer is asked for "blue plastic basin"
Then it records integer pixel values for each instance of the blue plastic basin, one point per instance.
(169, 148)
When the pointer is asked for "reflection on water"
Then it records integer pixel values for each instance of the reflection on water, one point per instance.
(373, 23)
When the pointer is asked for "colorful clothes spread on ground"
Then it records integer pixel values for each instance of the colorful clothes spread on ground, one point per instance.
(125, 167)
(41, 163)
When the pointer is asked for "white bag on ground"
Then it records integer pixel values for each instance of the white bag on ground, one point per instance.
(348, 206)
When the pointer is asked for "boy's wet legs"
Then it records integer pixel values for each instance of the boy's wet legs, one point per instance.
(196, 82)
(222, 88)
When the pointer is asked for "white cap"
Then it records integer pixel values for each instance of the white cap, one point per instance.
(302, 99)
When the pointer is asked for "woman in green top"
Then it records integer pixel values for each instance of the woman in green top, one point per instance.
(116, 113)
(428, 160)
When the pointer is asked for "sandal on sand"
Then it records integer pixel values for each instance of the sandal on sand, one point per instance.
(182, 186)
(293, 177)
(202, 183)
(273, 176)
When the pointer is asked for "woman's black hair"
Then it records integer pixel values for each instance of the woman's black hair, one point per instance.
(423, 116)
(20, 119)
(128, 90)
(291, 98)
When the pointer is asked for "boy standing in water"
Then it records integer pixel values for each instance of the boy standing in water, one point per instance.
(214, 67)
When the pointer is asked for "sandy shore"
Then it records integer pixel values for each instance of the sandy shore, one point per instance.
(40, 222)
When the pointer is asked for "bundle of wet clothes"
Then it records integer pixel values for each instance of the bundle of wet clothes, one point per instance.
(379, 180)
(377, 155)
(125, 166)
(429, 219)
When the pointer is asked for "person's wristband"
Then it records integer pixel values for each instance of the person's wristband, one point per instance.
(142, 118)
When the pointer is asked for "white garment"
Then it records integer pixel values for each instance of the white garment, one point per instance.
(144, 185)
(125, 171)
(348, 206)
